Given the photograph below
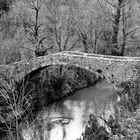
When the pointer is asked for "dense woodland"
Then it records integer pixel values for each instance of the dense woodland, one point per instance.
(32, 28)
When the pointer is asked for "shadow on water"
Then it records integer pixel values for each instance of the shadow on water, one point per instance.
(66, 119)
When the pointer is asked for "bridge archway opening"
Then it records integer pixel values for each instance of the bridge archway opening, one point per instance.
(28, 76)
(32, 80)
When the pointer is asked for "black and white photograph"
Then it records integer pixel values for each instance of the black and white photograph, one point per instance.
(69, 69)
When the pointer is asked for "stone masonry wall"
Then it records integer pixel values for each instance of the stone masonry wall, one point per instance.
(115, 69)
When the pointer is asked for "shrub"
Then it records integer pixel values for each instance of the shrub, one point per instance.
(94, 131)
(13, 107)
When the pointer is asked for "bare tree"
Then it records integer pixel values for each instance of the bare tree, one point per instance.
(61, 23)
(98, 25)
(120, 14)
(13, 106)
(91, 25)
(35, 29)
(128, 29)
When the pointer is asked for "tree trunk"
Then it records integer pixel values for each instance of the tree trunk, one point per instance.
(84, 41)
(123, 46)
(115, 50)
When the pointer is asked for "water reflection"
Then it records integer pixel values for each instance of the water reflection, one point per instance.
(66, 119)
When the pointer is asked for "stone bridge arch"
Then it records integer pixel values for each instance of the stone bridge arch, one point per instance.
(114, 69)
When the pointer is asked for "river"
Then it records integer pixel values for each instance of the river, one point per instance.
(66, 119)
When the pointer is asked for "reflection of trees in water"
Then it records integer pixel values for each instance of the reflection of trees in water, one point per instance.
(52, 121)
(62, 122)
(43, 126)
(56, 118)
(57, 109)
(53, 116)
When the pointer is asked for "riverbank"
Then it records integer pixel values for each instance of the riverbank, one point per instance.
(31, 96)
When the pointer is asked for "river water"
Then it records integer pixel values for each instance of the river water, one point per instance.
(66, 119)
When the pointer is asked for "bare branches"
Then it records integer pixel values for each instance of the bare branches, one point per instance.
(127, 27)
(35, 5)
(120, 16)
(73, 45)
(104, 12)
(101, 4)
(63, 23)
(14, 105)
(110, 3)
(131, 31)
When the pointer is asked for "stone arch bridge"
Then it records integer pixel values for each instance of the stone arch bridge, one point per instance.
(115, 69)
